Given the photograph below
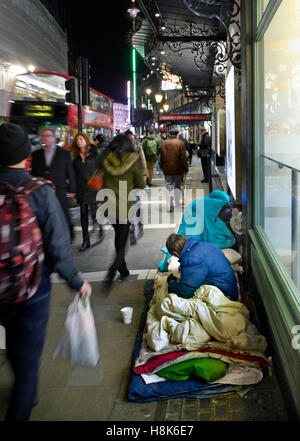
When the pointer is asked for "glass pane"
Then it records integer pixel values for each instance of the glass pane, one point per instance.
(278, 209)
(279, 133)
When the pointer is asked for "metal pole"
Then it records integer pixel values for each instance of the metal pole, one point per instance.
(208, 161)
(295, 264)
(79, 107)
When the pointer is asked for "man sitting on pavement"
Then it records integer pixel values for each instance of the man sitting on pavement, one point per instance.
(201, 263)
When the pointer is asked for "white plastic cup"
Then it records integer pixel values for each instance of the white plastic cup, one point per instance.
(127, 314)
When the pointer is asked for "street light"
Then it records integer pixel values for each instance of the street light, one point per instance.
(148, 91)
(158, 97)
(166, 107)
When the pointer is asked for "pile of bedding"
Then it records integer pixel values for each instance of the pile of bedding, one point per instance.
(199, 347)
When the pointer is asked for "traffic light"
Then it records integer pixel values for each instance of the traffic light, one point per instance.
(71, 86)
(85, 81)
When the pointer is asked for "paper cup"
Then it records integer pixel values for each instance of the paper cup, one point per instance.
(127, 314)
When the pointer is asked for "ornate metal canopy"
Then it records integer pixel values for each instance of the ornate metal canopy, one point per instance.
(194, 39)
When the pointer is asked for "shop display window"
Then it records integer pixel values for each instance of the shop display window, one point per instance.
(278, 134)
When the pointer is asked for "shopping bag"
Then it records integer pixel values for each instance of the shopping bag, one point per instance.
(79, 343)
(96, 180)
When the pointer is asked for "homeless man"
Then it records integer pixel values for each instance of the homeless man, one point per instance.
(201, 263)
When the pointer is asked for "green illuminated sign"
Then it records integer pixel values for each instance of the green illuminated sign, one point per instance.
(134, 75)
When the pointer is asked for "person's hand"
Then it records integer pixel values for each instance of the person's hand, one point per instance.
(171, 278)
(70, 195)
(85, 290)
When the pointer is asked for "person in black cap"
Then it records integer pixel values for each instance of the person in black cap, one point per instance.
(25, 322)
(205, 154)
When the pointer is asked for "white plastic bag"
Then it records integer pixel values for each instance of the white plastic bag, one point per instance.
(79, 343)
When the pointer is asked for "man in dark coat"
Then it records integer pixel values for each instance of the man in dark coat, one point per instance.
(205, 152)
(201, 263)
(173, 162)
(55, 164)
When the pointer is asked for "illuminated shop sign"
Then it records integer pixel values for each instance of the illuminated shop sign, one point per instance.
(170, 81)
(200, 117)
(39, 110)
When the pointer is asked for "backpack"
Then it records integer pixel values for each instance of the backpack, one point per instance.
(21, 245)
(151, 149)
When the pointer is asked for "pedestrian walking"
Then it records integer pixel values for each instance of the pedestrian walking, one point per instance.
(151, 147)
(85, 163)
(205, 153)
(25, 322)
(137, 231)
(100, 142)
(121, 169)
(174, 165)
(54, 163)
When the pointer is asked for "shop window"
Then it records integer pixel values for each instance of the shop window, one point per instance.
(278, 134)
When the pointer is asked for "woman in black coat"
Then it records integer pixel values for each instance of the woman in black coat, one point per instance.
(85, 163)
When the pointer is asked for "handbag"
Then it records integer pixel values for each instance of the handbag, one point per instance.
(96, 180)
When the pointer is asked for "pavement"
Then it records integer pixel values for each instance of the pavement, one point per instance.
(68, 393)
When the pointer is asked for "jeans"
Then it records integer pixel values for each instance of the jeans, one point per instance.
(173, 182)
(25, 325)
(121, 237)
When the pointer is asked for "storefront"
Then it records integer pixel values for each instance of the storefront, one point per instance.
(275, 232)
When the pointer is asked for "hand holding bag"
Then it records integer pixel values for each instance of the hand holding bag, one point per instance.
(96, 180)
(79, 343)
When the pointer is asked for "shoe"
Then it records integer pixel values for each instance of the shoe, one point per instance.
(86, 244)
(204, 180)
(124, 275)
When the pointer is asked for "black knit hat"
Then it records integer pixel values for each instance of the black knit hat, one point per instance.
(15, 145)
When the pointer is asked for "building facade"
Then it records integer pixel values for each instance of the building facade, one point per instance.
(121, 117)
(30, 39)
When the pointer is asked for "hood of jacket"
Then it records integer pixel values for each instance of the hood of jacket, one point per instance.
(116, 166)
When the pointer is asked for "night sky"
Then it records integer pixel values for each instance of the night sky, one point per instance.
(98, 30)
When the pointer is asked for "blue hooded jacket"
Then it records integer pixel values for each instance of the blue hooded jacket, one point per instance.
(202, 263)
(200, 220)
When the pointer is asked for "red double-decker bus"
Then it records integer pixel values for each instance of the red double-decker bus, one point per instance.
(38, 101)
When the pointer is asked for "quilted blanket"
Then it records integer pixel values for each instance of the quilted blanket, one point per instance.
(191, 323)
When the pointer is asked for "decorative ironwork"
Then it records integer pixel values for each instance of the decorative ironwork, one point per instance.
(227, 15)
(210, 48)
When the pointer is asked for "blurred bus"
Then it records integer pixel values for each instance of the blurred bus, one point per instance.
(38, 102)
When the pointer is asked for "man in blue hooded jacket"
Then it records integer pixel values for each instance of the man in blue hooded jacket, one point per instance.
(201, 263)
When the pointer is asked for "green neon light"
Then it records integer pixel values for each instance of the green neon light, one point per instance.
(134, 75)
(148, 103)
